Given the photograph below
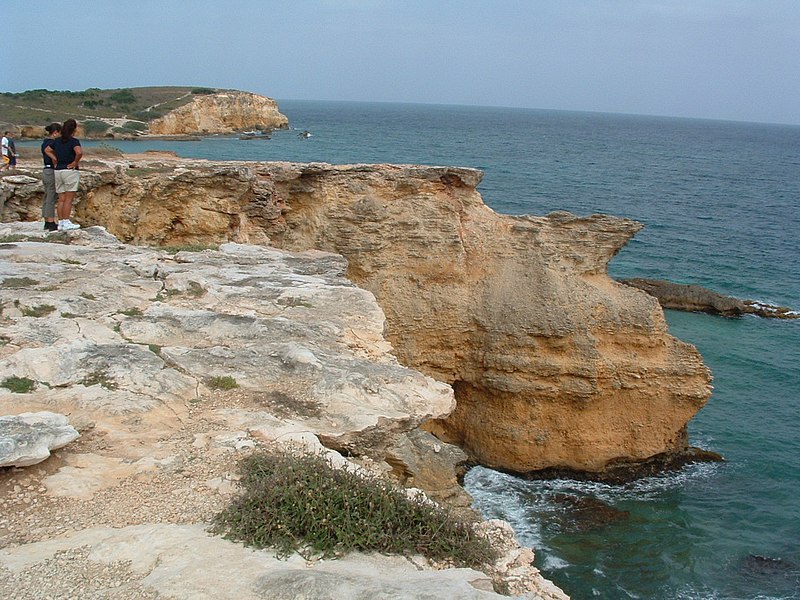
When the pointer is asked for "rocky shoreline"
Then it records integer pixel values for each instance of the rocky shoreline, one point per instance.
(379, 313)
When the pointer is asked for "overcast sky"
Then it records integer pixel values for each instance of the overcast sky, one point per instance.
(720, 59)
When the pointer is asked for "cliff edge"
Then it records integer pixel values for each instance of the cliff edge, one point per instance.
(171, 366)
(554, 364)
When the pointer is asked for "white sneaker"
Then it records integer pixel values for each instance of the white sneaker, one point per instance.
(67, 225)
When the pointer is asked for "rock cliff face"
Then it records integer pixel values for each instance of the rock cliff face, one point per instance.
(554, 364)
(221, 113)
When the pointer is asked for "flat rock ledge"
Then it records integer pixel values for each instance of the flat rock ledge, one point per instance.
(172, 366)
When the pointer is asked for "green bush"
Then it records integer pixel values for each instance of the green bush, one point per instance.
(203, 91)
(123, 97)
(135, 125)
(147, 115)
(95, 127)
(298, 502)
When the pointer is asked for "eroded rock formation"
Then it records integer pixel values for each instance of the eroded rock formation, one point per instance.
(553, 363)
(222, 112)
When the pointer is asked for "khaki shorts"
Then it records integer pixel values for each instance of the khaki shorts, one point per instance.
(67, 180)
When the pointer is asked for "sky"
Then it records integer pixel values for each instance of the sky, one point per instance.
(718, 59)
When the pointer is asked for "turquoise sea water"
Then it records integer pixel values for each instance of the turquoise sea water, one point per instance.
(721, 205)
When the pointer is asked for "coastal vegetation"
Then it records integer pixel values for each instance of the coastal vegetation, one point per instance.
(298, 502)
(42, 106)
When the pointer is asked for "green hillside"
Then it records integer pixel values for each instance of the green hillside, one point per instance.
(38, 107)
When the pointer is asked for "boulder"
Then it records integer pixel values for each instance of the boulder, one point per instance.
(27, 439)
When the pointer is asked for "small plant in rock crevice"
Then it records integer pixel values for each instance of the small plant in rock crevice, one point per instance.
(41, 310)
(16, 283)
(223, 382)
(99, 377)
(299, 502)
(189, 248)
(18, 385)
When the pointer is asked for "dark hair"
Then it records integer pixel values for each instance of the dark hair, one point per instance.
(52, 127)
(68, 128)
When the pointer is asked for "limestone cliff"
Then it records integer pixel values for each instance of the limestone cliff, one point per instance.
(222, 112)
(554, 364)
(132, 344)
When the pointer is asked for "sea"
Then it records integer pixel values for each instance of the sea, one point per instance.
(720, 202)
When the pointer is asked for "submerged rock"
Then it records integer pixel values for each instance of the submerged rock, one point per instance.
(624, 471)
(584, 513)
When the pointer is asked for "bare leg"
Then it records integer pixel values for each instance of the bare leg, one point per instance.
(59, 207)
(64, 208)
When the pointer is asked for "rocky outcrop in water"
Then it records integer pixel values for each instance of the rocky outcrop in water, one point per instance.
(554, 364)
(222, 112)
(695, 298)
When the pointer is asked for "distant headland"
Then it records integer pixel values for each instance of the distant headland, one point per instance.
(129, 113)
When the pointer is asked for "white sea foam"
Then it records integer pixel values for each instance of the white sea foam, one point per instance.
(554, 563)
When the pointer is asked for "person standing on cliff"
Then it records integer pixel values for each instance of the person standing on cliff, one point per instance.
(12, 152)
(6, 152)
(66, 154)
(49, 179)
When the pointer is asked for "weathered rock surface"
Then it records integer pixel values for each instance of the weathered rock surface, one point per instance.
(222, 112)
(131, 343)
(151, 561)
(695, 298)
(553, 363)
(133, 330)
(27, 439)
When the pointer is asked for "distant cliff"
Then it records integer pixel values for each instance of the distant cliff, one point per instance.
(554, 364)
(133, 112)
(223, 112)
